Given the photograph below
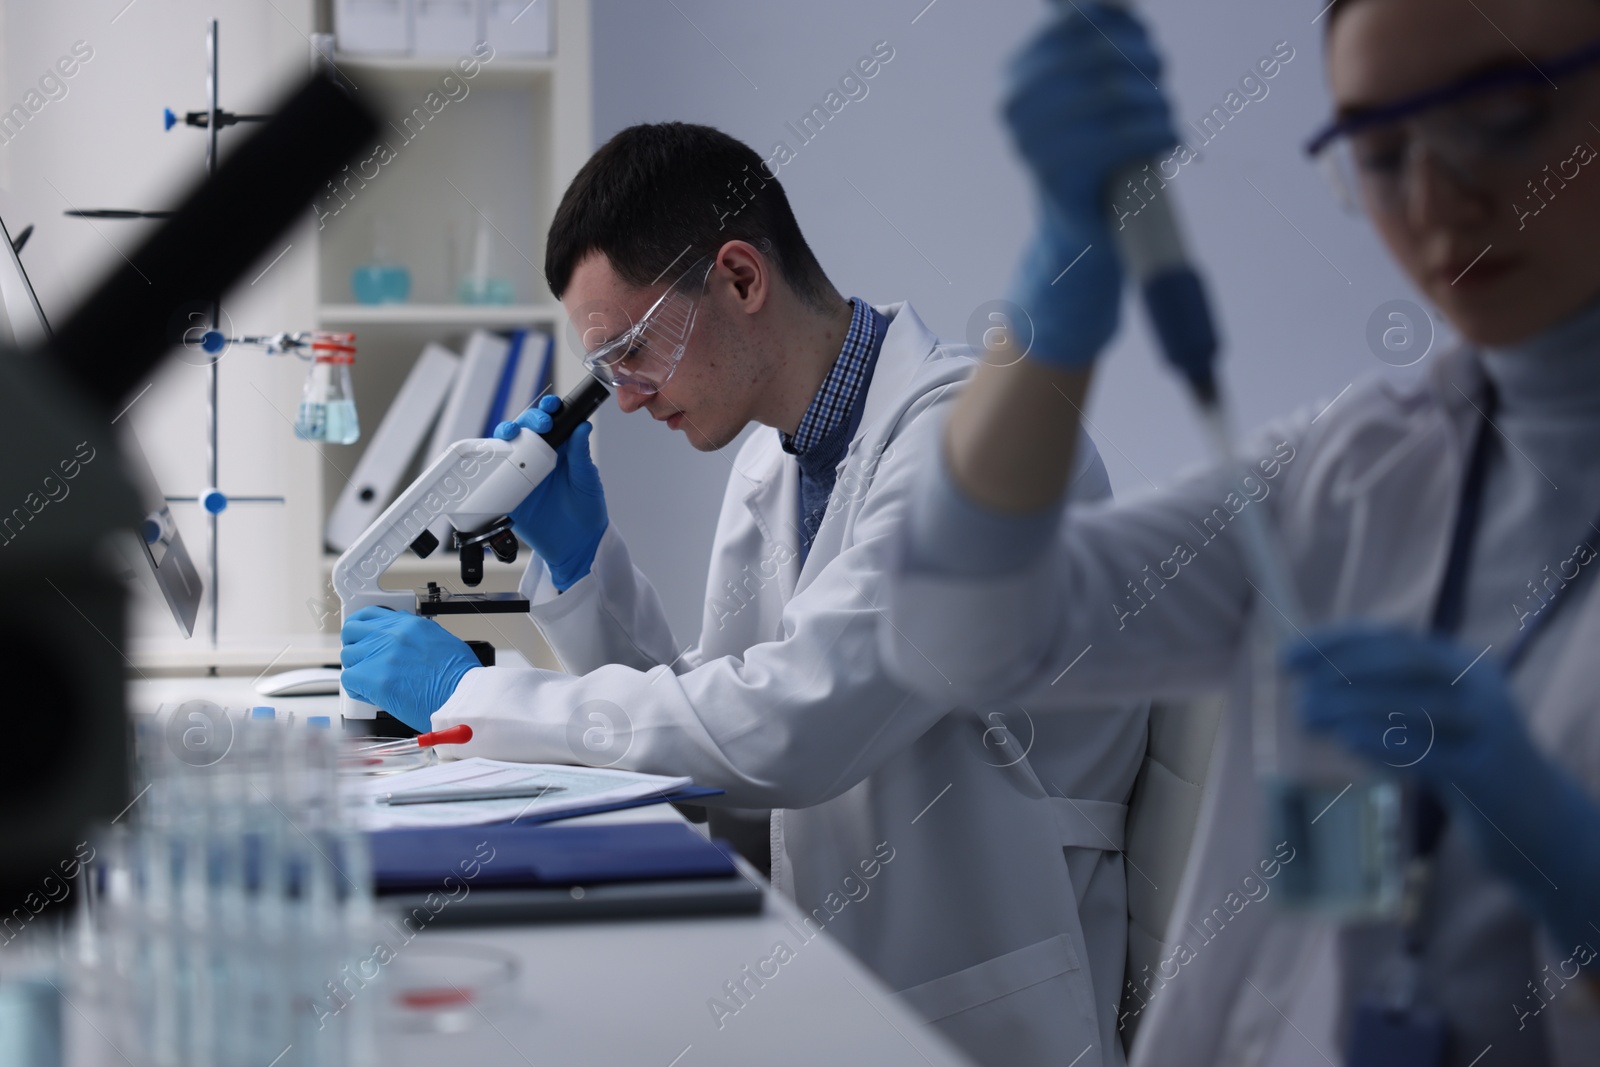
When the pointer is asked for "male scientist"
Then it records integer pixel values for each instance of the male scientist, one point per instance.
(969, 855)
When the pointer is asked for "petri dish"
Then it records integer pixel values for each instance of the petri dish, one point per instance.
(448, 988)
(372, 764)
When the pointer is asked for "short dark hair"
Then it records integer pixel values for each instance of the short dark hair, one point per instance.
(667, 193)
(1334, 10)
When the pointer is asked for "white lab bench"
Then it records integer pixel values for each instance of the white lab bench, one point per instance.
(638, 991)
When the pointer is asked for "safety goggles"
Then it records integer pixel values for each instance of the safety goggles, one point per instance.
(1486, 132)
(645, 355)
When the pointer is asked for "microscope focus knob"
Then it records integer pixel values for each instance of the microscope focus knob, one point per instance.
(504, 546)
(424, 545)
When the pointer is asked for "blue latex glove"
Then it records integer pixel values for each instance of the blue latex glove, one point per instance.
(402, 663)
(565, 515)
(1081, 103)
(1409, 694)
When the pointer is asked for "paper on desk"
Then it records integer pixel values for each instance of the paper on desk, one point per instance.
(582, 787)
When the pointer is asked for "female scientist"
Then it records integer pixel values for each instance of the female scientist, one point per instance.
(1441, 535)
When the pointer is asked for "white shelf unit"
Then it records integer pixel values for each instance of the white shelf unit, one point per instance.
(505, 149)
(512, 66)
(444, 316)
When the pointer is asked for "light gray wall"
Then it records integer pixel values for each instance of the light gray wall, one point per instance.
(913, 193)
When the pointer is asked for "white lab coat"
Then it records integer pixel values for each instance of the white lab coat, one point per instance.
(976, 919)
(1365, 507)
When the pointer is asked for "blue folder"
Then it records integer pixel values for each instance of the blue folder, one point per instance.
(508, 856)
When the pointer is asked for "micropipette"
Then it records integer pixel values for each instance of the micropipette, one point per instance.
(1152, 246)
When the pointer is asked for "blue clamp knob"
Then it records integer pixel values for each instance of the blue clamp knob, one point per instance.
(213, 341)
(152, 531)
(321, 722)
(214, 500)
(168, 118)
(263, 713)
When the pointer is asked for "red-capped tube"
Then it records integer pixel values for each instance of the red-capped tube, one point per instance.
(455, 735)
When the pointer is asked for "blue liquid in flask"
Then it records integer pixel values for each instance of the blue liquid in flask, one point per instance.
(1348, 858)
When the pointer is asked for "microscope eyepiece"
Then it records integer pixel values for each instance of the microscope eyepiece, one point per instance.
(576, 407)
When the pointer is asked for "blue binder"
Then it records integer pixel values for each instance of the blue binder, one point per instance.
(531, 871)
(530, 857)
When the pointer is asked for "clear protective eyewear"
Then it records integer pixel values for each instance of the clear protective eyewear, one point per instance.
(644, 356)
(1484, 132)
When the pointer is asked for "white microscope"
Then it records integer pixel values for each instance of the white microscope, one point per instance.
(473, 485)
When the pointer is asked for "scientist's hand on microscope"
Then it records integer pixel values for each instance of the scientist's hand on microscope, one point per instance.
(1081, 102)
(406, 665)
(1442, 713)
(563, 518)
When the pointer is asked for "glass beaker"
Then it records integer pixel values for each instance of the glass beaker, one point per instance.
(1341, 815)
(381, 280)
(380, 283)
(327, 403)
(479, 286)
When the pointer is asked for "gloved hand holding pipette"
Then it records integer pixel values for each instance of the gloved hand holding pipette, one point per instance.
(1081, 102)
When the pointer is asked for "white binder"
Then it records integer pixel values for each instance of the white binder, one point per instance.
(473, 393)
(470, 399)
(524, 378)
(533, 373)
(388, 455)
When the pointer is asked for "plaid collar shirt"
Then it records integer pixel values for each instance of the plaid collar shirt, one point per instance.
(831, 406)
